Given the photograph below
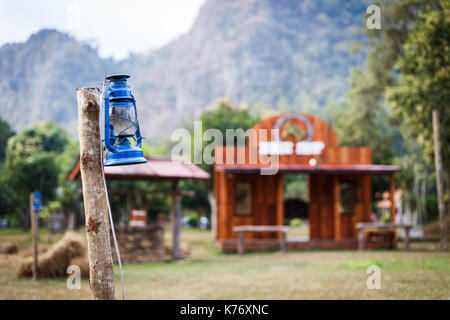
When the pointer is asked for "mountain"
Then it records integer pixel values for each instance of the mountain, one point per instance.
(279, 54)
(39, 77)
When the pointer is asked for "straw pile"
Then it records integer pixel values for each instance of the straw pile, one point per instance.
(25, 253)
(71, 249)
(83, 263)
(8, 248)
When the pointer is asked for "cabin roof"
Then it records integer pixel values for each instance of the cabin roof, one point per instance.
(155, 168)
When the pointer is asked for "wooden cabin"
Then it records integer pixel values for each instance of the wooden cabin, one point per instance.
(248, 183)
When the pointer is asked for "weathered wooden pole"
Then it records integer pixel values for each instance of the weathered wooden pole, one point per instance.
(393, 208)
(94, 195)
(71, 222)
(213, 205)
(439, 180)
(392, 195)
(34, 236)
(241, 243)
(176, 218)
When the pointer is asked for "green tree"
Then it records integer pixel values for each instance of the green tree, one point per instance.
(225, 116)
(424, 83)
(6, 196)
(5, 134)
(362, 120)
(33, 161)
(365, 117)
(43, 136)
(38, 171)
(386, 44)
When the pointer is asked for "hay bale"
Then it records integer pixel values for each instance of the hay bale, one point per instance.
(29, 251)
(8, 248)
(55, 261)
(83, 263)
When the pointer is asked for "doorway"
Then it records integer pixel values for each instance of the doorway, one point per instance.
(295, 201)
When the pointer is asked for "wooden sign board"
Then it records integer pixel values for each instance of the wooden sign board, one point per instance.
(138, 218)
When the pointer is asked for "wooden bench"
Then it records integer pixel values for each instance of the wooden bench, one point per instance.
(362, 227)
(379, 239)
(242, 229)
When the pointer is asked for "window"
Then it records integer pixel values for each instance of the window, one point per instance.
(243, 198)
(347, 198)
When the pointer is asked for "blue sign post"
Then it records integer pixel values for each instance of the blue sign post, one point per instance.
(37, 200)
(35, 205)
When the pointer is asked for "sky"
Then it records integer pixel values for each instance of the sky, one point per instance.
(117, 27)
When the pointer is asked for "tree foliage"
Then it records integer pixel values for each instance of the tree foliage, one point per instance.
(38, 171)
(34, 160)
(43, 136)
(5, 134)
(362, 120)
(424, 82)
(365, 117)
(227, 116)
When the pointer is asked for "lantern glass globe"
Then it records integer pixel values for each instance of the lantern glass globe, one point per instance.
(123, 119)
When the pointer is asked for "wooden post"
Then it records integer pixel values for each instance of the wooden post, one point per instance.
(407, 229)
(176, 218)
(129, 207)
(213, 205)
(34, 236)
(283, 241)
(241, 244)
(101, 280)
(439, 180)
(71, 222)
(280, 203)
(361, 239)
(392, 193)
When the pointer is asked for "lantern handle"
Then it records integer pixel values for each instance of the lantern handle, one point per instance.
(138, 130)
(108, 126)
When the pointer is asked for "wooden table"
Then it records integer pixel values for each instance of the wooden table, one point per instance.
(242, 229)
(361, 227)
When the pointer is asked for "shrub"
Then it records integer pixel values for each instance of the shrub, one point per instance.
(296, 222)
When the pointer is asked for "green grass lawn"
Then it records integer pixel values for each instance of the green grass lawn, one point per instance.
(209, 274)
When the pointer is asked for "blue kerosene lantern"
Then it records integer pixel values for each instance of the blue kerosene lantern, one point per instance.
(121, 123)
